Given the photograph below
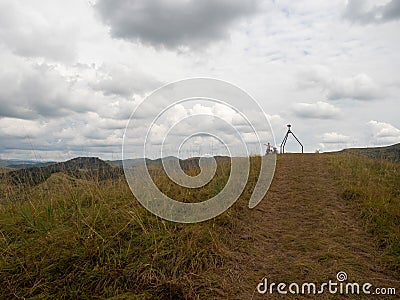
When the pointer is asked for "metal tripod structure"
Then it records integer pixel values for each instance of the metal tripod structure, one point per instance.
(286, 137)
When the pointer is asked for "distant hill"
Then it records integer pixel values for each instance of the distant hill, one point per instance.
(391, 153)
(138, 161)
(19, 163)
(80, 168)
(149, 162)
(84, 168)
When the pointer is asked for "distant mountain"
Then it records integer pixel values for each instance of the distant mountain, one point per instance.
(91, 168)
(138, 161)
(391, 153)
(158, 161)
(20, 163)
(80, 168)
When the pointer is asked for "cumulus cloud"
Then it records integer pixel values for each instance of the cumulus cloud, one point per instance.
(382, 133)
(83, 133)
(18, 128)
(30, 33)
(28, 91)
(318, 110)
(359, 11)
(183, 123)
(208, 117)
(73, 71)
(31, 90)
(123, 80)
(335, 138)
(359, 87)
(175, 23)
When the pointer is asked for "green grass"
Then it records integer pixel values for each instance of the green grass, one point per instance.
(373, 187)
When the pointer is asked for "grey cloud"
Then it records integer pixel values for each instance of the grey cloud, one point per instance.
(391, 11)
(357, 11)
(359, 87)
(171, 24)
(30, 91)
(123, 80)
(81, 133)
(318, 110)
(27, 33)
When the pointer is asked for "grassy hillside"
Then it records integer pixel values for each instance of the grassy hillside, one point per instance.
(70, 237)
(372, 187)
(4, 169)
(80, 167)
(75, 238)
(391, 153)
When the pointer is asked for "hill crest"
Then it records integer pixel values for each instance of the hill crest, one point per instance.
(79, 168)
(391, 152)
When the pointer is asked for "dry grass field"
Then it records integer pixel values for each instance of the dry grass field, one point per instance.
(80, 238)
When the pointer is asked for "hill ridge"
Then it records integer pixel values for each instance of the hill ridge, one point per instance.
(78, 167)
(391, 152)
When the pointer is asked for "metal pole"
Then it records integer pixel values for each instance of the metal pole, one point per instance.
(298, 141)
(285, 140)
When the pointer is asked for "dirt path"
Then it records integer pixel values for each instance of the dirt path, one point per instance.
(302, 232)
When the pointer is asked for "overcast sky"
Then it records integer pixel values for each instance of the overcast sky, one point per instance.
(73, 71)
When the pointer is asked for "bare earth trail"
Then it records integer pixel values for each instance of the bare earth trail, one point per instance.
(303, 231)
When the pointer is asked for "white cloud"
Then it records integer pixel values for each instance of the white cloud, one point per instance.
(30, 32)
(31, 90)
(218, 110)
(359, 87)
(18, 128)
(123, 80)
(382, 133)
(335, 138)
(333, 141)
(71, 85)
(318, 110)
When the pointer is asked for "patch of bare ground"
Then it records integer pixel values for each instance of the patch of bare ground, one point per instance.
(303, 231)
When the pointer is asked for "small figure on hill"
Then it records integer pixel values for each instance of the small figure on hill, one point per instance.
(268, 151)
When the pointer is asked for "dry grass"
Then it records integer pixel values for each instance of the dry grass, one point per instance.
(72, 238)
(372, 187)
(303, 231)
